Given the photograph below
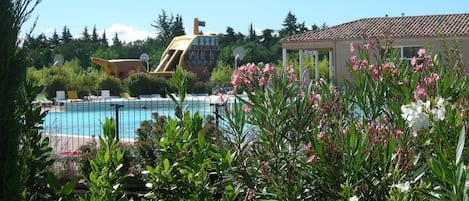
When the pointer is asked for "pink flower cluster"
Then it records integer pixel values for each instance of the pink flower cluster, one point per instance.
(417, 63)
(249, 75)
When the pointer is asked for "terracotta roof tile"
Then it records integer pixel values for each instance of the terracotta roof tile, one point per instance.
(396, 27)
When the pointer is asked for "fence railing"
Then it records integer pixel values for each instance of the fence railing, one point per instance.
(70, 124)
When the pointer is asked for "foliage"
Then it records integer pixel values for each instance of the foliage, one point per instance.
(141, 83)
(36, 156)
(111, 83)
(12, 68)
(221, 75)
(106, 180)
(187, 162)
(390, 134)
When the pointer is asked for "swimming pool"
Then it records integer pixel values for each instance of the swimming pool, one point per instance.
(87, 117)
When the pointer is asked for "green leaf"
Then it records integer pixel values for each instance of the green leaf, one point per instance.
(201, 140)
(460, 148)
(228, 158)
(67, 189)
(166, 164)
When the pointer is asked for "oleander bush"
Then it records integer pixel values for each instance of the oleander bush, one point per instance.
(395, 131)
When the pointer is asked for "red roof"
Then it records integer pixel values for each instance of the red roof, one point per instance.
(395, 27)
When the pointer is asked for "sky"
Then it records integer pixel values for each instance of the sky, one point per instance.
(132, 20)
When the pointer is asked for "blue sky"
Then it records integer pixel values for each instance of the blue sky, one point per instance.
(132, 19)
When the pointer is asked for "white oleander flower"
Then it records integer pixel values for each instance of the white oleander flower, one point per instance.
(403, 187)
(149, 185)
(145, 172)
(439, 110)
(354, 198)
(416, 116)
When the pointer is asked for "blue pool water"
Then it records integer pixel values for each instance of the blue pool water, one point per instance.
(87, 118)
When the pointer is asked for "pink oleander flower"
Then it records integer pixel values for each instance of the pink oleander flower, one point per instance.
(315, 98)
(428, 80)
(374, 73)
(421, 52)
(291, 78)
(364, 64)
(246, 108)
(262, 81)
(394, 71)
(413, 61)
(367, 46)
(354, 59)
(252, 68)
(418, 68)
(353, 47)
(356, 67)
(399, 133)
(268, 69)
(428, 60)
(420, 92)
(236, 78)
(435, 77)
(308, 147)
(311, 159)
(321, 135)
(386, 66)
(290, 69)
(247, 81)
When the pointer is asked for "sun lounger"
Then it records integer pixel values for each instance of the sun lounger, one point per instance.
(73, 96)
(105, 94)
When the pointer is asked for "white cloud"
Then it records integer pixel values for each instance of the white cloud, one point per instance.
(126, 33)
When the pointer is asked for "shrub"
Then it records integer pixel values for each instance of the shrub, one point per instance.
(186, 162)
(111, 83)
(56, 83)
(141, 83)
(107, 176)
(221, 75)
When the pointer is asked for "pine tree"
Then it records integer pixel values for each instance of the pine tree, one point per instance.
(163, 25)
(66, 35)
(115, 41)
(177, 27)
(85, 34)
(252, 33)
(54, 40)
(289, 25)
(94, 35)
(103, 41)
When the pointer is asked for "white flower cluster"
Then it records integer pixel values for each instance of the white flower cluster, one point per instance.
(403, 187)
(417, 114)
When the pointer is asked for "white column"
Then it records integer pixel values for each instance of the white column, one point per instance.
(284, 59)
(316, 64)
(301, 64)
(331, 68)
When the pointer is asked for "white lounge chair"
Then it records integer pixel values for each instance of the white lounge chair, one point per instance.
(105, 94)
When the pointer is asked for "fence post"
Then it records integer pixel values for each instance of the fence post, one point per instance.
(117, 106)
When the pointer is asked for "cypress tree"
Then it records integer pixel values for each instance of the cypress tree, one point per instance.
(12, 15)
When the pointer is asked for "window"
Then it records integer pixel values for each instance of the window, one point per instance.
(410, 51)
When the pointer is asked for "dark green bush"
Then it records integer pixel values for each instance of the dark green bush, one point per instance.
(112, 84)
(198, 87)
(141, 83)
(57, 83)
